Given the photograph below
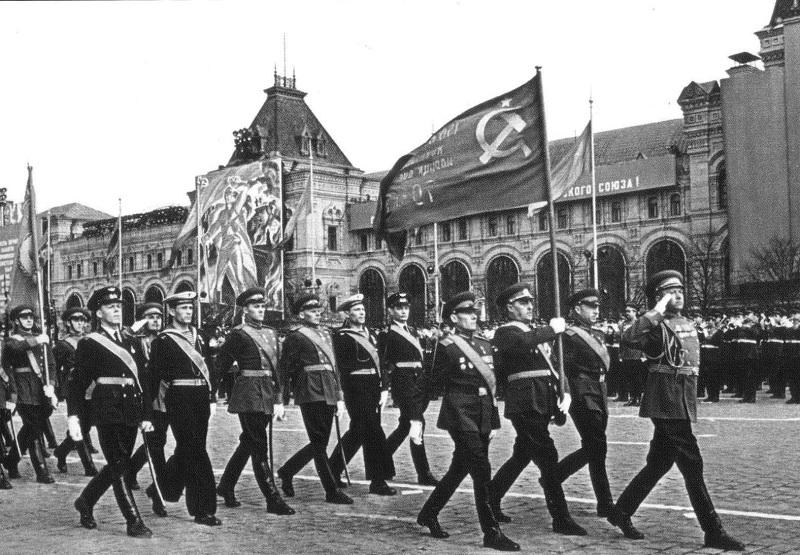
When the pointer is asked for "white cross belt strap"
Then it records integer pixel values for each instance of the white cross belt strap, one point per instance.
(594, 345)
(117, 351)
(408, 337)
(265, 349)
(365, 344)
(315, 338)
(477, 361)
(529, 374)
(188, 349)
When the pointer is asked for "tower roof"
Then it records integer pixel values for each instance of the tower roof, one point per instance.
(784, 9)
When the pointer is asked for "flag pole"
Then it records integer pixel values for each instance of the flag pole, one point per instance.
(198, 247)
(119, 243)
(313, 231)
(437, 293)
(34, 220)
(49, 270)
(596, 279)
(553, 248)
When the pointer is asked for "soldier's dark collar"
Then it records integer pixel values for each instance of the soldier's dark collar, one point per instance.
(465, 333)
(309, 324)
(257, 325)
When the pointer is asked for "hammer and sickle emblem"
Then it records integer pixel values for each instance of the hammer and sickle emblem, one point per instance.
(513, 123)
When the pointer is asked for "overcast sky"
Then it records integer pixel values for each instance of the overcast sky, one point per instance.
(132, 100)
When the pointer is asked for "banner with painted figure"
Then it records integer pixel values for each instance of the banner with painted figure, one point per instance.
(241, 231)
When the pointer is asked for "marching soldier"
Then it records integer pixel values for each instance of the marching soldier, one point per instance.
(9, 457)
(586, 362)
(178, 372)
(521, 359)
(670, 400)
(463, 368)
(75, 320)
(255, 398)
(309, 362)
(24, 363)
(633, 366)
(107, 368)
(151, 317)
(365, 394)
(401, 358)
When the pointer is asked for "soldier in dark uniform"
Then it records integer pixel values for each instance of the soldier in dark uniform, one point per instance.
(178, 372)
(24, 363)
(532, 400)
(633, 366)
(365, 394)
(463, 368)
(150, 317)
(309, 362)
(727, 353)
(711, 361)
(402, 357)
(670, 400)
(255, 398)
(107, 371)
(75, 320)
(748, 357)
(771, 355)
(791, 360)
(9, 457)
(586, 362)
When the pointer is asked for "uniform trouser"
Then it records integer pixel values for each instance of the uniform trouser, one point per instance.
(792, 373)
(713, 378)
(318, 419)
(365, 431)
(253, 444)
(533, 443)
(190, 466)
(591, 426)
(69, 444)
(673, 443)
(471, 456)
(396, 438)
(12, 458)
(632, 370)
(776, 377)
(34, 422)
(750, 375)
(156, 441)
(116, 443)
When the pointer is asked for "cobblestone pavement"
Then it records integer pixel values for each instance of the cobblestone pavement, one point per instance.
(751, 467)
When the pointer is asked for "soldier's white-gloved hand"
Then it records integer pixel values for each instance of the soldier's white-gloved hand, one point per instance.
(558, 325)
(564, 404)
(146, 426)
(50, 392)
(416, 432)
(384, 399)
(42, 339)
(74, 428)
(279, 411)
(11, 406)
(492, 434)
(661, 305)
(213, 408)
(341, 410)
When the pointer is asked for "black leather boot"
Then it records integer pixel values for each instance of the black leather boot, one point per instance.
(380, 487)
(158, 506)
(266, 483)
(227, 483)
(716, 537)
(61, 453)
(432, 523)
(420, 458)
(135, 527)
(495, 539)
(36, 451)
(624, 523)
(89, 468)
(494, 503)
(4, 483)
(286, 482)
(85, 510)
(338, 497)
(563, 523)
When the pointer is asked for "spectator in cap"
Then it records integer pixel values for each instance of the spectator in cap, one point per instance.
(670, 400)
(31, 384)
(76, 320)
(586, 364)
(463, 368)
(365, 394)
(402, 358)
(255, 399)
(109, 366)
(521, 356)
(309, 362)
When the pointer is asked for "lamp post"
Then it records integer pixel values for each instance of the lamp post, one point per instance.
(3, 206)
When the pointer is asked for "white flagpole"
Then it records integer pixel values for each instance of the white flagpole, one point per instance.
(119, 243)
(198, 248)
(49, 261)
(436, 269)
(313, 231)
(596, 280)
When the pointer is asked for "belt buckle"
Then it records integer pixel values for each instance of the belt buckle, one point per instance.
(602, 378)
(482, 391)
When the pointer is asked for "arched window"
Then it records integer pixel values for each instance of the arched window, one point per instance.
(74, 301)
(128, 307)
(79, 270)
(94, 268)
(412, 281)
(179, 258)
(544, 283)
(69, 271)
(131, 264)
(160, 260)
(665, 254)
(372, 286)
(154, 294)
(502, 272)
(612, 278)
(455, 278)
(675, 204)
(183, 287)
(652, 207)
(149, 261)
(722, 186)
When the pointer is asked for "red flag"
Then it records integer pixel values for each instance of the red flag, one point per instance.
(110, 261)
(491, 157)
(303, 207)
(24, 288)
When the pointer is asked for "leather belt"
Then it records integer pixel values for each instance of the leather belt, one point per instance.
(469, 390)
(529, 374)
(684, 370)
(105, 380)
(709, 346)
(188, 382)
(745, 340)
(793, 341)
(408, 364)
(22, 370)
(255, 373)
(318, 368)
(364, 372)
(594, 377)
(773, 340)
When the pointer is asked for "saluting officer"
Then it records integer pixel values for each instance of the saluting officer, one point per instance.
(75, 320)
(255, 398)
(107, 371)
(23, 361)
(365, 394)
(670, 400)
(178, 372)
(463, 368)
(309, 362)
(521, 357)
(402, 357)
(586, 363)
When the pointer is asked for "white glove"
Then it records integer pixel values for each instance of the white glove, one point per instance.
(564, 404)
(42, 338)
(213, 407)
(416, 431)
(492, 434)
(74, 428)
(341, 410)
(146, 426)
(384, 399)
(50, 392)
(558, 325)
(11, 406)
(279, 411)
(661, 306)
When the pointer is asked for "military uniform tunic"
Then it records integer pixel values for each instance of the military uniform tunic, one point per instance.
(257, 384)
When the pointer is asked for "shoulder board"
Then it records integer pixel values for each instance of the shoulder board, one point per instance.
(569, 331)
(238, 327)
(446, 341)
